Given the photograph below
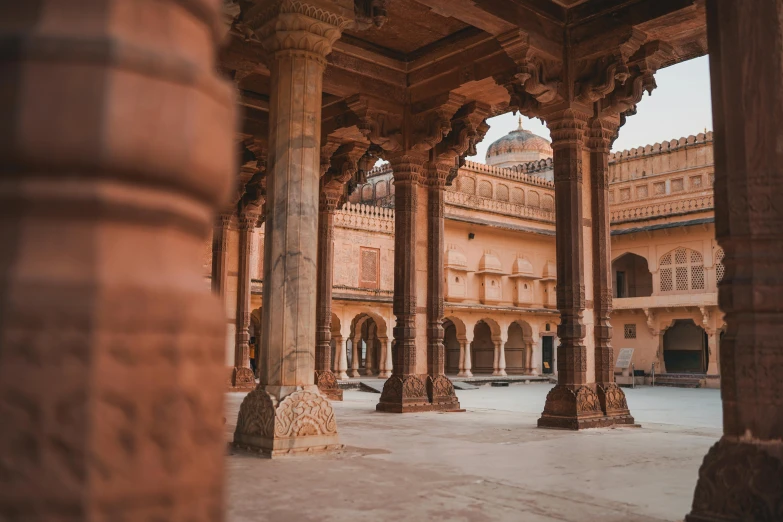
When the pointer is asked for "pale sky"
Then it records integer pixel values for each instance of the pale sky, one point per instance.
(680, 106)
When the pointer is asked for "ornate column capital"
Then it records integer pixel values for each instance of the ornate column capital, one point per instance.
(329, 198)
(310, 26)
(407, 167)
(601, 132)
(567, 127)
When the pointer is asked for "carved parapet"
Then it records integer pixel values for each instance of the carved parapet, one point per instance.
(365, 217)
(327, 385)
(302, 422)
(440, 392)
(740, 480)
(404, 394)
(613, 403)
(242, 379)
(572, 408)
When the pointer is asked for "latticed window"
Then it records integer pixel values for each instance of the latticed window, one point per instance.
(518, 196)
(720, 268)
(533, 199)
(369, 267)
(629, 331)
(502, 192)
(467, 185)
(548, 203)
(682, 270)
(485, 189)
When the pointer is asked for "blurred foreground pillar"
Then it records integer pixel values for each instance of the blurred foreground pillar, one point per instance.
(742, 475)
(116, 145)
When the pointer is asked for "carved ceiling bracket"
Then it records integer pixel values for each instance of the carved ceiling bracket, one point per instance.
(651, 325)
(370, 13)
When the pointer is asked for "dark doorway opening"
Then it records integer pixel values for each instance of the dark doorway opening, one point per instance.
(547, 354)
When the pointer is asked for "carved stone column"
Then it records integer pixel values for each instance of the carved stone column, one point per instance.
(405, 391)
(466, 364)
(220, 253)
(370, 363)
(113, 163)
(572, 403)
(242, 376)
(386, 358)
(612, 398)
(324, 378)
(342, 358)
(439, 387)
(289, 414)
(742, 475)
(356, 355)
(500, 358)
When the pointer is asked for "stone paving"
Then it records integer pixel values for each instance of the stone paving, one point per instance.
(488, 463)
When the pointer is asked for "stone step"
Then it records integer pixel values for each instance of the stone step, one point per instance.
(371, 386)
(462, 385)
(678, 382)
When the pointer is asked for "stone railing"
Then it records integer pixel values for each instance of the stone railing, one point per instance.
(473, 202)
(662, 208)
(365, 217)
(665, 301)
(518, 173)
(660, 148)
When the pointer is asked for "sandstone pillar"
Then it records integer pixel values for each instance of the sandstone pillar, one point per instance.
(369, 364)
(220, 230)
(324, 378)
(466, 364)
(242, 376)
(572, 403)
(289, 414)
(712, 356)
(439, 388)
(386, 358)
(356, 356)
(342, 359)
(610, 396)
(742, 475)
(112, 349)
(499, 369)
(405, 391)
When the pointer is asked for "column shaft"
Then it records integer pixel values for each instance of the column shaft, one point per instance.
(112, 349)
(742, 475)
(242, 376)
(573, 403)
(324, 377)
(297, 41)
(220, 253)
(439, 388)
(611, 396)
(405, 390)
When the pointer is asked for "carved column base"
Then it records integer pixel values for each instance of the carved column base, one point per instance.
(384, 374)
(613, 403)
(572, 408)
(327, 385)
(440, 392)
(499, 373)
(740, 481)
(403, 394)
(299, 423)
(466, 373)
(242, 379)
(354, 373)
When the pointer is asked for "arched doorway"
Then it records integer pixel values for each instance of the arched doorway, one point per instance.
(366, 346)
(519, 348)
(485, 335)
(451, 347)
(685, 347)
(631, 276)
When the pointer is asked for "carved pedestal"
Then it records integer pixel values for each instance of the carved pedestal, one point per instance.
(327, 384)
(572, 407)
(404, 394)
(302, 422)
(242, 379)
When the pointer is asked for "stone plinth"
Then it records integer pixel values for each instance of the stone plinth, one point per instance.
(302, 422)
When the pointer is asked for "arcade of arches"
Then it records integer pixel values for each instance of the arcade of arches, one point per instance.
(132, 152)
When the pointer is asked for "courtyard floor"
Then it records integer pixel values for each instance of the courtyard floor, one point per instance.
(488, 463)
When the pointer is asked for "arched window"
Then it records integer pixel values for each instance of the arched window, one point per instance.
(548, 203)
(367, 192)
(720, 268)
(518, 196)
(682, 269)
(467, 185)
(533, 199)
(485, 189)
(502, 192)
(380, 189)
